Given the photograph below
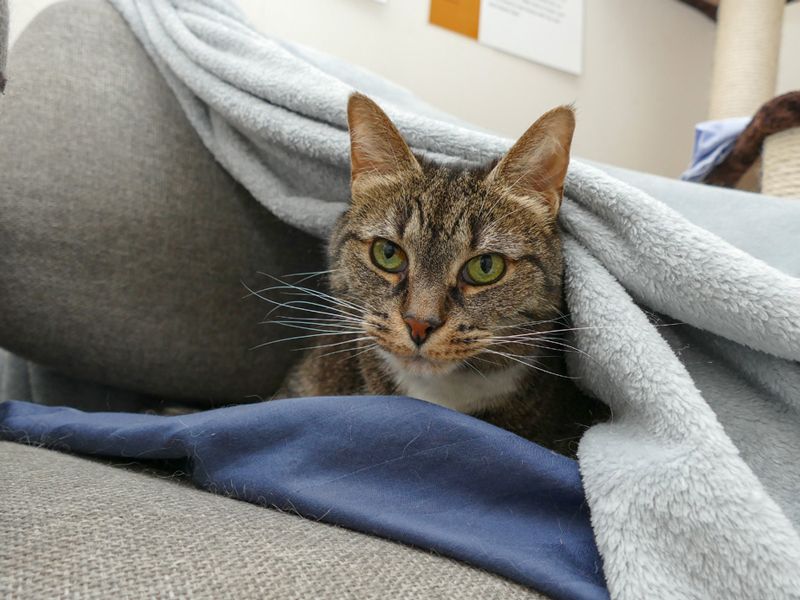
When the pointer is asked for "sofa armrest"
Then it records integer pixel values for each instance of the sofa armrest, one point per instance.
(124, 244)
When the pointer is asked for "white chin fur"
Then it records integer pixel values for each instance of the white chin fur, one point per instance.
(461, 390)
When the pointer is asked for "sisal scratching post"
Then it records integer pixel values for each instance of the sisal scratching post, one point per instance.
(745, 57)
(744, 77)
(781, 171)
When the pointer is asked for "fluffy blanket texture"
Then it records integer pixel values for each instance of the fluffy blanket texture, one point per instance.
(693, 484)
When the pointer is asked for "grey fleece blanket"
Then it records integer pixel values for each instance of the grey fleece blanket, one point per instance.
(693, 486)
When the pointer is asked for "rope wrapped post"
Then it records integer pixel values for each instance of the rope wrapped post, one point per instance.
(781, 164)
(745, 57)
(744, 78)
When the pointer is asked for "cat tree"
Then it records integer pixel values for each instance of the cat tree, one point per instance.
(744, 78)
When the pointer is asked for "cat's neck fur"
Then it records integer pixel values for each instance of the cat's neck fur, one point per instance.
(466, 391)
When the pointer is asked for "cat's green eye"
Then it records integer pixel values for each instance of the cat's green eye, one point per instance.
(484, 269)
(388, 256)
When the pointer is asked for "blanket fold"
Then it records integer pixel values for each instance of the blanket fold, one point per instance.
(692, 485)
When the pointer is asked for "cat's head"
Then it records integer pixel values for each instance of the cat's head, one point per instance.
(442, 262)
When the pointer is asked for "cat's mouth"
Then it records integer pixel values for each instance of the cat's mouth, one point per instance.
(434, 356)
(418, 364)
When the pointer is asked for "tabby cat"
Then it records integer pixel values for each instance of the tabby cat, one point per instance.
(446, 284)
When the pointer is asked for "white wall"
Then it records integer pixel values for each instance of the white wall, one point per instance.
(645, 83)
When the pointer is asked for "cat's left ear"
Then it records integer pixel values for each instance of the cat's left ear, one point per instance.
(377, 150)
(535, 167)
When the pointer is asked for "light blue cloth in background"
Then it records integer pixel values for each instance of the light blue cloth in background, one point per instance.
(713, 141)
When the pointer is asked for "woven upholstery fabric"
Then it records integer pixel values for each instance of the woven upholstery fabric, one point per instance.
(96, 531)
(124, 244)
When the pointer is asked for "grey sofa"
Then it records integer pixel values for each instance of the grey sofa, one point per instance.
(123, 249)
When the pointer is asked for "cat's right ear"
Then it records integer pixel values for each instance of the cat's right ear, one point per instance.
(376, 148)
(533, 171)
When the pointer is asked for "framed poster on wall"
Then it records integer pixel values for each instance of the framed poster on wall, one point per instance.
(549, 32)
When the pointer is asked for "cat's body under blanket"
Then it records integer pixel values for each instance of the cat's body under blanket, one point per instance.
(446, 285)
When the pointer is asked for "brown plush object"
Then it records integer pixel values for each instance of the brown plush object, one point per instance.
(777, 115)
(709, 7)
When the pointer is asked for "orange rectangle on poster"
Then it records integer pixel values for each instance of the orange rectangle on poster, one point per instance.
(460, 16)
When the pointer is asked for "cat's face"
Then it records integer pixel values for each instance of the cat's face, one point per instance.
(441, 263)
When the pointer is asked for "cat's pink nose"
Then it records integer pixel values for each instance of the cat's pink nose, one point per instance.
(420, 329)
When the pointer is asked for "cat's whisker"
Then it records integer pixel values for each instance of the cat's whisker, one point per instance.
(302, 337)
(534, 339)
(555, 340)
(473, 367)
(343, 314)
(365, 350)
(547, 345)
(331, 306)
(299, 305)
(343, 350)
(327, 329)
(325, 312)
(486, 360)
(337, 306)
(317, 319)
(566, 329)
(568, 348)
(557, 320)
(309, 275)
(324, 326)
(302, 273)
(301, 293)
(583, 328)
(359, 339)
(520, 360)
(542, 342)
(317, 293)
(330, 311)
(311, 326)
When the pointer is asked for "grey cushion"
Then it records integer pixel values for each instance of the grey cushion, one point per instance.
(22, 379)
(100, 532)
(124, 244)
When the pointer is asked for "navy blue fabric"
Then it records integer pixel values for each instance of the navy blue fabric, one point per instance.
(395, 467)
